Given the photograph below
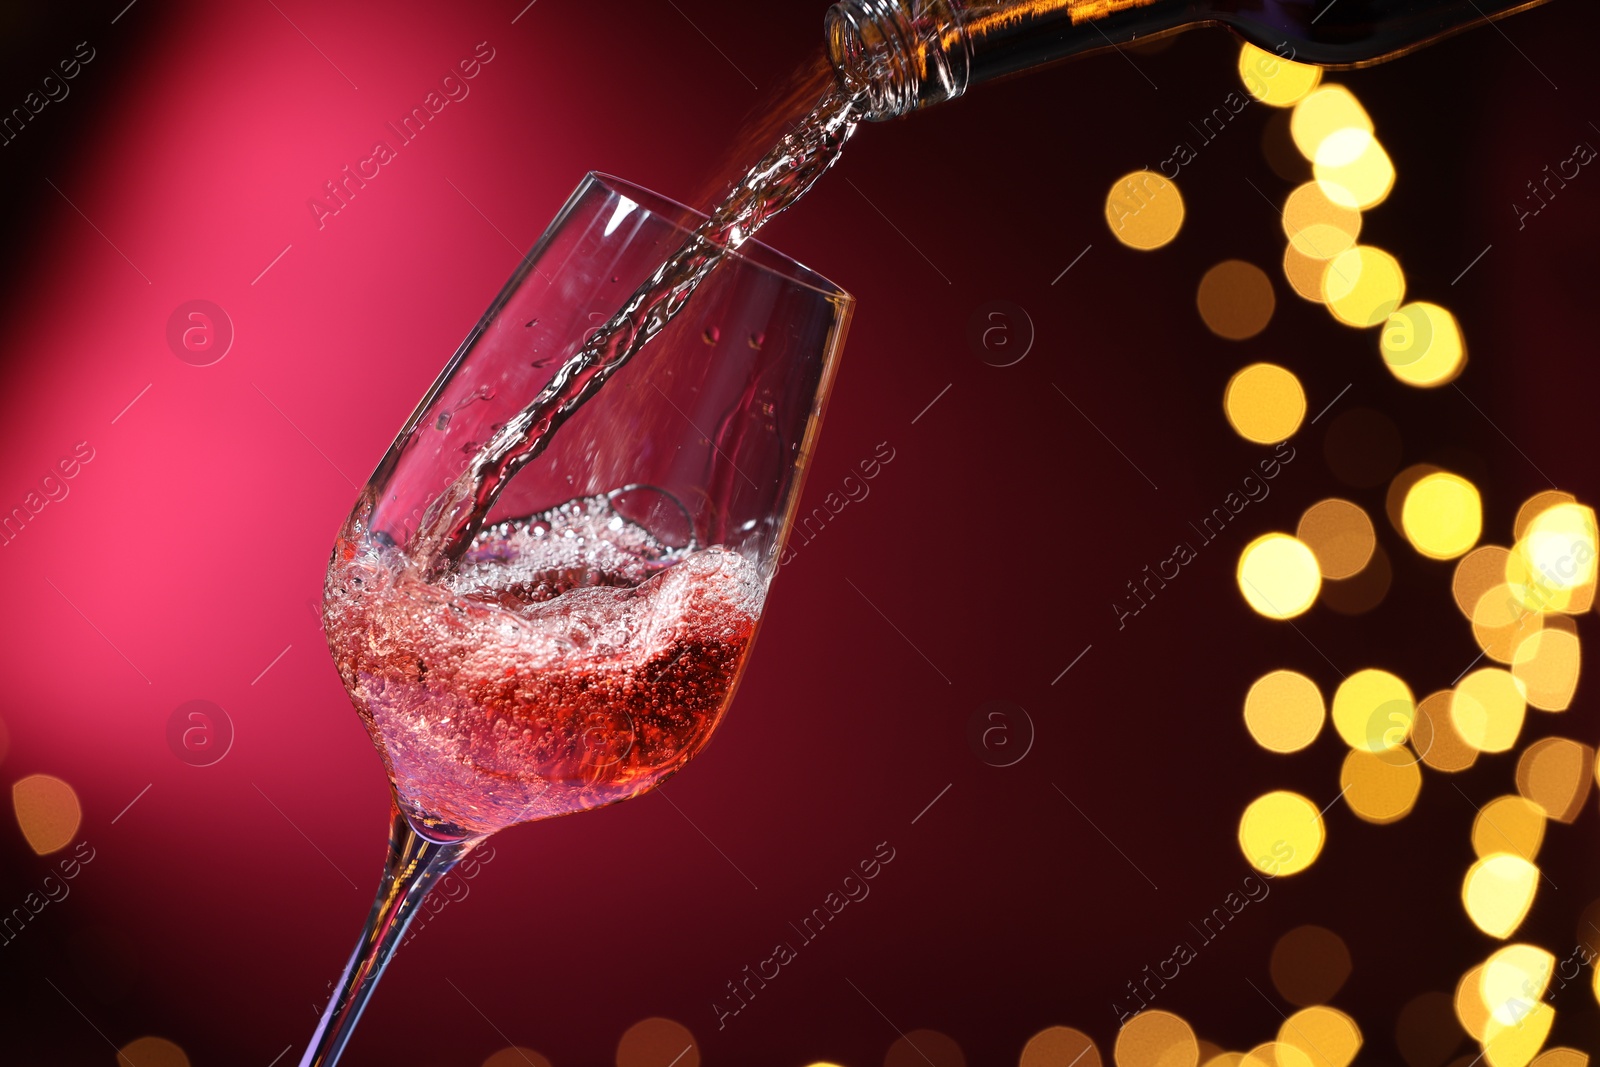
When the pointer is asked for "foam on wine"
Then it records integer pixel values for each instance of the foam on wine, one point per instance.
(569, 660)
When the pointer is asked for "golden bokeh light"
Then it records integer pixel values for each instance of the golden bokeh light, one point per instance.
(1471, 1011)
(1304, 274)
(1487, 709)
(1339, 534)
(1426, 1030)
(1278, 576)
(1156, 1038)
(1060, 1046)
(1561, 1057)
(47, 811)
(1380, 787)
(1326, 1036)
(1275, 81)
(1323, 112)
(1436, 739)
(1363, 591)
(1264, 403)
(1442, 515)
(1422, 346)
(1144, 210)
(1498, 891)
(1223, 1059)
(1501, 623)
(1511, 824)
(1373, 710)
(1476, 573)
(1547, 662)
(920, 1048)
(1236, 299)
(1516, 1044)
(654, 1041)
(516, 1056)
(1555, 773)
(1363, 286)
(1284, 711)
(151, 1052)
(1556, 554)
(1353, 168)
(1281, 833)
(1275, 1054)
(1534, 506)
(1317, 227)
(1309, 965)
(1512, 979)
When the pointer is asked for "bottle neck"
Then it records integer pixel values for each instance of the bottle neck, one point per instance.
(912, 53)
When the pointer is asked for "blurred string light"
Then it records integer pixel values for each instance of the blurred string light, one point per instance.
(654, 1041)
(516, 1056)
(1509, 824)
(1363, 285)
(1555, 774)
(1498, 891)
(1060, 1046)
(47, 811)
(1518, 601)
(1156, 1038)
(922, 1048)
(1235, 299)
(1488, 708)
(1442, 515)
(1340, 535)
(1281, 833)
(1373, 710)
(1309, 965)
(1436, 739)
(1144, 210)
(1421, 343)
(1264, 403)
(151, 1052)
(1278, 576)
(1325, 1036)
(1273, 80)
(1284, 711)
(1380, 787)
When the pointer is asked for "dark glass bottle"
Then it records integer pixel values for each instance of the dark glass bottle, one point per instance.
(919, 52)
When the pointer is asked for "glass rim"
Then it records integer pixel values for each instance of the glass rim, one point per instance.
(757, 254)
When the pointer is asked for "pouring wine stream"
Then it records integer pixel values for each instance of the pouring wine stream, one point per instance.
(782, 176)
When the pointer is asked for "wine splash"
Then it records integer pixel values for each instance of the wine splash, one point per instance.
(570, 659)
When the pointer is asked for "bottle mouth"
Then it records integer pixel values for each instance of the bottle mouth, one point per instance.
(902, 54)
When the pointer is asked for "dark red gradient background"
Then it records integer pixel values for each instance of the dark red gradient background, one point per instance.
(190, 551)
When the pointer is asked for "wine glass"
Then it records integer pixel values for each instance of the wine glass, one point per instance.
(586, 643)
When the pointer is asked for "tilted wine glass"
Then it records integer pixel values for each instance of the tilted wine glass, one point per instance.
(587, 642)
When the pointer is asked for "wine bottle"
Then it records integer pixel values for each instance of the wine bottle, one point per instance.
(918, 52)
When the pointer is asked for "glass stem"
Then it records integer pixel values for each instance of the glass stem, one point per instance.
(415, 864)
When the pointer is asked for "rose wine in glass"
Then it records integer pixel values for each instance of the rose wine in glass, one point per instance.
(544, 597)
